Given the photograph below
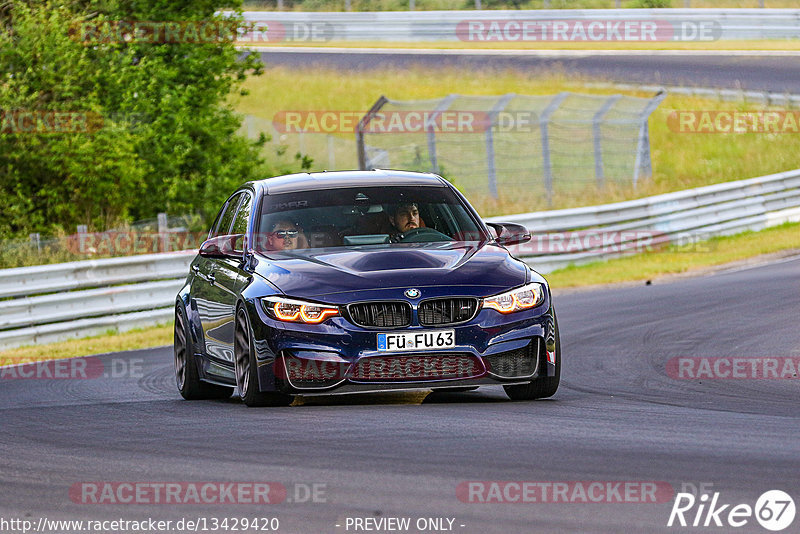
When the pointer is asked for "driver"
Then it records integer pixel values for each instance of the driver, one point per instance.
(405, 217)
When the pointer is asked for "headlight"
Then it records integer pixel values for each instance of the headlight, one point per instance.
(522, 298)
(297, 311)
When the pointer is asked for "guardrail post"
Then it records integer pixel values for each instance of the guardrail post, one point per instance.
(347, 5)
(411, 5)
(501, 103)
(36, 241)
(643, 146)
(597, 138)
(162, 232)
(544, 119)
(82, 230)
(431, 133)
(478, 5)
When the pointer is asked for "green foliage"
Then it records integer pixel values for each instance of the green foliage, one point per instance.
(160, 134)
(653, 3)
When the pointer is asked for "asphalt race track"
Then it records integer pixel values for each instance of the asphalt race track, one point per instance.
(617, 417)
(756, 72)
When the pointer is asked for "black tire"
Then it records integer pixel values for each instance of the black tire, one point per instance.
(543, 386)
(187, 377)
(246, 370)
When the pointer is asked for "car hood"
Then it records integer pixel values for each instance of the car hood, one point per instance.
(338, 275)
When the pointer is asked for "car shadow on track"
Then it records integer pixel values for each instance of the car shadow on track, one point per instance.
(485, 395)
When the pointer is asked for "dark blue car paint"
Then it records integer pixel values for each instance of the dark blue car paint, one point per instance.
(341, 275)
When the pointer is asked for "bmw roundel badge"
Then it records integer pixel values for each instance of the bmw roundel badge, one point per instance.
(412, 293)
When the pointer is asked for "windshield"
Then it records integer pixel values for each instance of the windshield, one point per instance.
(363, 216)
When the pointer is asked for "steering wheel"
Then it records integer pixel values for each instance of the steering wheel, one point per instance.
(422, 235)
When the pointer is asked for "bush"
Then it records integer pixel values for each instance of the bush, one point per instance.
(161, 136)
(653, 3)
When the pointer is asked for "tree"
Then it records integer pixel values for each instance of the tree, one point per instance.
(148, 127)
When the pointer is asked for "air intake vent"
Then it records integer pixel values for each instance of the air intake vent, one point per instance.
(417, 367)
(380, 314)
(446, 311)
(515, 363)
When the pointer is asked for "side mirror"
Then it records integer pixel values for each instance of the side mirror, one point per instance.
(510, 233)
(223, 246)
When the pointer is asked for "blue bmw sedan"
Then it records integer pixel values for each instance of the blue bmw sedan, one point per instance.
(361, 281)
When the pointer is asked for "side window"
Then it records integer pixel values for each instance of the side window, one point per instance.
(225, 218)
(242, 216)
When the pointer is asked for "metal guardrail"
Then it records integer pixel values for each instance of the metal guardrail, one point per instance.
(84, 298)
(43, 279)
(421, 26)
(767, 98)
(28, 311)
(70, 300)
(596, 233)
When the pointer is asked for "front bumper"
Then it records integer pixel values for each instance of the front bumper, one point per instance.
(331, 358)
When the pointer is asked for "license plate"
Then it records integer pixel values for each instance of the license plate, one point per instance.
(424, 340)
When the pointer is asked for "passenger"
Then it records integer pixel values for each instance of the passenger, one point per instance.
(284, 235)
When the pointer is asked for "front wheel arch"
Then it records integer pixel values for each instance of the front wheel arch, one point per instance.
(246, 365)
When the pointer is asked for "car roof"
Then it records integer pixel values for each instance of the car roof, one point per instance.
(341, 179)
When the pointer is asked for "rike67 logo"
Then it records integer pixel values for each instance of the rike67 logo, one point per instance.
(774, 510)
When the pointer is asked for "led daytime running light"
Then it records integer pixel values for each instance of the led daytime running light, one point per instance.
(511, 301)
(301, 313)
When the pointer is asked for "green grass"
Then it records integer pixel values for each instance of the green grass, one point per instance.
(716, 251)
(110, 342)
(680, 160)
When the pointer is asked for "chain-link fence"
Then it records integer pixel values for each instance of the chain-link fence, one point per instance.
(327, 151)
(496, 149)
(504, 146)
